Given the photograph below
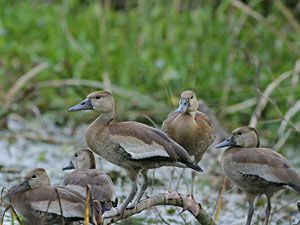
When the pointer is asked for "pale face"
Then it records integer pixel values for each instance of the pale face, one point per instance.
(81, 160)
(101, 101)
(188, 102)
(245, 137)
(37, 178)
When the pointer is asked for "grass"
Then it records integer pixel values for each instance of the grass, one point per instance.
(152, 48)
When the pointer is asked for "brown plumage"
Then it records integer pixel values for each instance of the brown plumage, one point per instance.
(38, 202)
(189, 128)
(256, 170)
(134, 146)
(85, 174)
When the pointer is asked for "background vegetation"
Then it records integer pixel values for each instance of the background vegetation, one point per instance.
(53, 53)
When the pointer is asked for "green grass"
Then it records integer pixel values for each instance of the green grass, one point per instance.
(152, 48)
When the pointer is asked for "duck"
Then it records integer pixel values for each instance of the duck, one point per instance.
(38, 202)
(134, 146)
(85, 173)
(256, 170)
(190, 128)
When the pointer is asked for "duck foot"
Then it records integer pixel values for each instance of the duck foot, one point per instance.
(111, 213)
(131, 205)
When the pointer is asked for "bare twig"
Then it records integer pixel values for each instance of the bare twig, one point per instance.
(240, 106)
(220, 200)
(175, 199)
(13, 91)
(288, 115)
(60, 207)
(161, 217)
(295, 126)
(289, 16)
(254, 14)
(283, 138)
(99, 85)
(87, 207)
(265, 96)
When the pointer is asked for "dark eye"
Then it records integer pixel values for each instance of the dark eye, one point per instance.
(98, 97)
(192, 97)
(76, 155)
(239, 133)
(33, 176)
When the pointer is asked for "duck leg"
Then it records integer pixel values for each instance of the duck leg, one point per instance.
(268, 210)
(197, 160)
(250, 199)
(172, 171)
(193, 182)
(142, 189)
(122, 207)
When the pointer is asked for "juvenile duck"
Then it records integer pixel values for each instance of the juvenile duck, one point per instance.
(38, 202)
(85, 173)
(256, 170)
(134, 146)
(190, 128)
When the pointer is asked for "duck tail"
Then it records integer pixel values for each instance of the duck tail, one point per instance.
(295, 187)
(106, 206)
(194, 166)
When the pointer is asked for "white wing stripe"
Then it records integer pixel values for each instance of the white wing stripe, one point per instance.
(263, 171)
(69, 209)
(139, 149)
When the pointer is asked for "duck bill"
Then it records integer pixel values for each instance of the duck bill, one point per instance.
(24, 186)
(229, 142)
(84, 105)
(69, 167)
(183, 105)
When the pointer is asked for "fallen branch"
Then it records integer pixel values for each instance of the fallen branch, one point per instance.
(13, 91)
(172, 199)
(99, 85)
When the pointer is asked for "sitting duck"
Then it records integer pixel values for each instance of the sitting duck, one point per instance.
(85, 173)
(41, 204)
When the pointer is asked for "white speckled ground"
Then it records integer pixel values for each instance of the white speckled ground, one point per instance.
(22, 155)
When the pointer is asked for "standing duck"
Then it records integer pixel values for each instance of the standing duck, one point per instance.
(39, 204)
(134, 146)
(85, 174)
(256, 170)
(189, 128)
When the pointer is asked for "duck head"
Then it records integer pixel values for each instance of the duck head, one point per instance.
(83, 159)
(244, 137)
(188, 102)
(35, 178)
(101, 101)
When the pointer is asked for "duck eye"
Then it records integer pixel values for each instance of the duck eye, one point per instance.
(98, 97)
(76, 155)
(192, 97)
(33, 176)
(239, 133)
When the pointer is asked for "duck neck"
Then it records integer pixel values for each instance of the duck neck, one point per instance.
(105, 118)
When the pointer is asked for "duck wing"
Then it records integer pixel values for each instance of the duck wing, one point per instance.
(267, 164)
(142, 141)
(45, 199)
